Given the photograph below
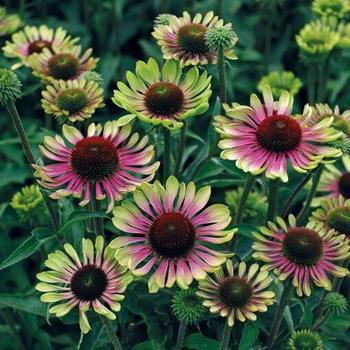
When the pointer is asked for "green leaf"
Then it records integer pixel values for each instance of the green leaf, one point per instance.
(148, 345)
(289, 319)
(38, 237)
(249, 335)
(80, 215)
(198, 341)
(28, 303)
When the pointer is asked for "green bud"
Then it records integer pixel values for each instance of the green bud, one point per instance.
(92, 76)
(221, 38)
(305, 340)
(187, 306)
(162, 19)
(10, 86)
(336, 303)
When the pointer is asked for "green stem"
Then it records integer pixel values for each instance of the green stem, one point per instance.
(240, 210)
(322, 80)
(167, 153)
(291, 198)
(316, 180)
(181, 149)
(320, 322)
(284, 300)
(273, 198)
(11, 323)
(199, 166)
(311, 84)
(181, 335)
(12, 110)
(97, 222)
(225, 340)
(222, 78)
(111, 334)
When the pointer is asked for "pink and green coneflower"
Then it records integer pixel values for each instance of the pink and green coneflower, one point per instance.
(262, 137)
(237, 296)
(107, 162)
(303, 254)
(33, 39)
(170, 230)
(166, 95)
(96, 280)
(68, 64)
(184, 38)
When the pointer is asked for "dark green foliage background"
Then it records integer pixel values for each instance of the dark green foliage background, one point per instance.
(119, 32)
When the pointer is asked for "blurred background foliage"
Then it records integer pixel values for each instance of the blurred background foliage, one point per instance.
(119, 31)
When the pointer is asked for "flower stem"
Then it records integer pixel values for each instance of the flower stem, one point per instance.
(225, 340)
(111, 334)
(12, 110)
(322, 80)
(240, 210)
(222, 77)
(273, 197)
(291, 198)
(286, 294)
(311, 84)
(97, 222)
(181, 149)
(316, 180)
(167, 153)
(181, 335)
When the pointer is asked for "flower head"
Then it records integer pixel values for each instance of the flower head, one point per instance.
(187, 306)
(106, 162)
(169, 229)
(335, 303)
(301, 253)
(335, 180)
(27, 199)
(65, 65)
(305, 340)
(8, 23)
(237, 296)
(96, 280)
(343, 28)
(255, 207)
(162, 19)
(73, 100)
(164, 97)
(279, 81)
(341, 121)
(263, 136)
(184, 38)
(316, 40)
(334, 213)
(92, 76)
(33, 39)
(10, 86)
(220, 38)
(331, 8)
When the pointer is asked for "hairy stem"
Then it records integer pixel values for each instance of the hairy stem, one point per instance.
(284, 300)
(291, 198)
(111, 334)
(181, 335)
(167, 153)
(273, 198)
(97, 222)
(316, 180)
(181, 149)
(16, 120)
(222, 77)
(225, 340)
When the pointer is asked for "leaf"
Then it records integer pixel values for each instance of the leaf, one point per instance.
(80, 215)
(3, 207)
(198, 341)
(38, 237)
(148, 345)
(27, 303)
(289, 319)
(249, 335)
